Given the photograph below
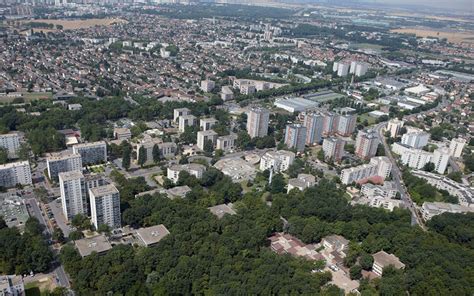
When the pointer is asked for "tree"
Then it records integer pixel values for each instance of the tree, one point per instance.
(156, 153)
(429, 167)
(104, 228)
(278, 184)
(76, 235)
(58, 235)
(366, 261)
(355, 272)
(142, 156)
(3, 155)
(126, 157)
(455, 176)
(320, 155)
(24, 151)
(208, 146)
(243, 140)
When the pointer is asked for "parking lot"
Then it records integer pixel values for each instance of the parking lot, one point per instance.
(58, 216)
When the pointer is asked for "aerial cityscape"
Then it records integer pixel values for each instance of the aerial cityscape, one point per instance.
(226, 147)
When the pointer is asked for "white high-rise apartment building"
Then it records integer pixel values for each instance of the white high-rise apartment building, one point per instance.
(91, 153)
(11, 142)
(295, 136)
(346, 124)
(415, 138)
(456, 146)
(441, 159)
(366, 144)
(73, 195)
(378, 167)
(343, 69)
(394, 126)
(257, 122)
(415, 158)
(314, 128)
(359, 68)
(279, 160)
(63, 162)
(105, 206)
(15, 173)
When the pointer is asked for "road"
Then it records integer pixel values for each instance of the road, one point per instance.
(397, 179)
(59, 272)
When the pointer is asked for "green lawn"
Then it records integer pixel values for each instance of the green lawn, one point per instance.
(365, 116)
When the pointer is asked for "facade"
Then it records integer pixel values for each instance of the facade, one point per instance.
(226, 143)
(383, 259)
(295, 136)
(105, 206)
(343, 69)
(194, 169)
(394, 126)
(15, 173)
(257, 122)
(330, 124)
(456, 146)
(441, 159)
(63, 162)
(415, 158)
(92, 153)
(207, 123)
(11, 142)
(378, 167)
(358, 68)
(186, 120)
(366, 144)
(122, 133)
(166, 150)
(333, 148)
(415, 138)
(180, 112)
(73, 194)
(204, 137)
(279, 160)
(314, 128)
(346, 124)
(207, 85)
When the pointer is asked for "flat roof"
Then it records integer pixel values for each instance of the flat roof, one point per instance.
(383, 259)
(99, 244)
(104, 190)
(221, 210)
(153, 234)
(71, 175)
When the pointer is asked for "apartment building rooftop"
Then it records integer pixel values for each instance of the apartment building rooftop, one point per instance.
(71, 175)
(99, 244)
(104, 190)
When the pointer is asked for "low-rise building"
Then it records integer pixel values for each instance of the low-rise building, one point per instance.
(378, 167)
(122, 133)
(207, 85)
(223, 209)
(151, 236)
(227, 94)
(98, 244)
(180, 112)
(431, 209)
(206, 137)
(186, 120)
(387, 190)
(236, 168)
(193, 169)
(336, 243)
(226, 143)
(207, 123)
(302, 182)
(383, 259)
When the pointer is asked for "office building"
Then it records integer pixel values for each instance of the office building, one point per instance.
(63, 162)
(204, 137)
(186, 120)
(105, 206)
(73, 194)
(366, 144)
(278, 161)
(207, 123)
(456, 146)
(11, 142)
(122, 133)
(295, 137)
(333, 149)
(207, 85)
(415, 138)
(394, 126)
(346, 124)
(91, 153)
(441, 159)
(15, 173)
(380, 167)
(257, 122)
(180, 112)
(194, 169)
(226, 143)
(314, 128)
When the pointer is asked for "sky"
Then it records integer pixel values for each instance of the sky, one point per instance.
(467, 5)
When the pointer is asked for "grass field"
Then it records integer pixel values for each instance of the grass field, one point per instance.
(451, 36)
(27, 97)
(370, 120)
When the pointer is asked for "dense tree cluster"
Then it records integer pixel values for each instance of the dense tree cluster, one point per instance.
(420, 191)
(22, 253)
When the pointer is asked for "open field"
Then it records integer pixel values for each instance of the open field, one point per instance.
(26, 97)
(451, 36)
(77, 24)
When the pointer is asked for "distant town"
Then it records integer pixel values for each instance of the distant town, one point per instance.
(152, 148)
